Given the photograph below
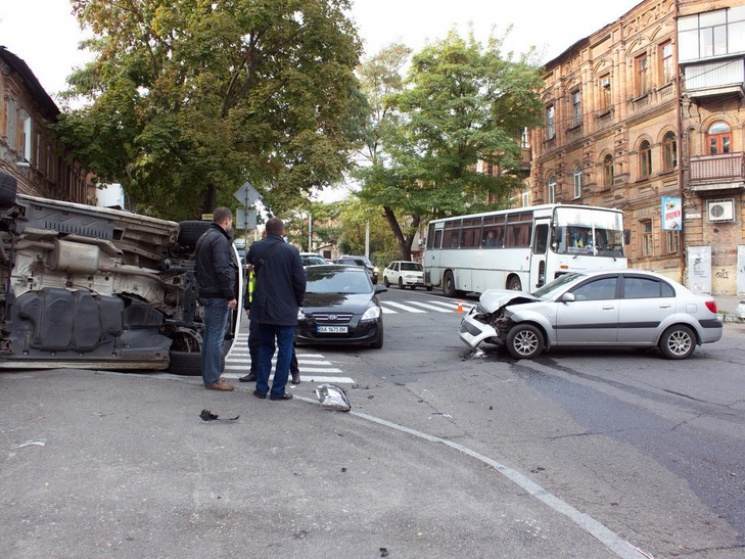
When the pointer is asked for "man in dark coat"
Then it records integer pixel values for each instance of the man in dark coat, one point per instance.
(216, 271)
(280, 287)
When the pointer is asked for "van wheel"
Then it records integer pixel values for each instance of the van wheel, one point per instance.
(190, 231)
(187, 363)
(8, 190)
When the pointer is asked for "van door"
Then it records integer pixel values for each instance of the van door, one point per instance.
(538, 255)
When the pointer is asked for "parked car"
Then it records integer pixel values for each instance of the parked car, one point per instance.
(361, 261)
(311, 259)
(341, 307)
(91, 287)
(594, 309)
(404, 273)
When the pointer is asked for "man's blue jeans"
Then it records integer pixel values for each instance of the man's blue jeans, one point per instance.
(267, 335)
(216, 313)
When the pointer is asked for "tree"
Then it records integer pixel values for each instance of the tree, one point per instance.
(460, 104)
(188, 99)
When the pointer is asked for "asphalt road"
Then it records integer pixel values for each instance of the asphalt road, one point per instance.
(444, 454)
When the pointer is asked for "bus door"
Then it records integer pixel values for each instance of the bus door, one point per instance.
(432, 252)
(538, 254)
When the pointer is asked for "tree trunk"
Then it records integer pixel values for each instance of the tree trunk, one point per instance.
(404, 241)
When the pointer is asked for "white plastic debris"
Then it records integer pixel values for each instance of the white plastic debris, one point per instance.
(333, 397)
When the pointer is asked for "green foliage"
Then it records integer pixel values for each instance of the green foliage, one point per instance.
(461, 103)
(188, 99)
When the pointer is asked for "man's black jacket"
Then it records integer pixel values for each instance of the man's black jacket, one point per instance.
(216, 268)
(280, 281)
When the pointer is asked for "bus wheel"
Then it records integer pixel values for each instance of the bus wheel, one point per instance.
(448, 284)
(514, 284)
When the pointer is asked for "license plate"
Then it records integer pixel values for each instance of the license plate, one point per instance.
(333, 329)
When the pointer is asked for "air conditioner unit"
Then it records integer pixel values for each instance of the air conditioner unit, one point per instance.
(721, 210)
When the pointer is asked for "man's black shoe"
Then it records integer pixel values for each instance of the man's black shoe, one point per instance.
(250, 377)
(295, 377)
(285, 396)
(261, 395)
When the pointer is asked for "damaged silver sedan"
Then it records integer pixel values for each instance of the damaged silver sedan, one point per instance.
(621, 308)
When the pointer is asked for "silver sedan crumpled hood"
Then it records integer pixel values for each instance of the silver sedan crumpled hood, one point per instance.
(492, 300)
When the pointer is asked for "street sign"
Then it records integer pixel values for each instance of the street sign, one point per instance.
(247, 194)
(245, 218)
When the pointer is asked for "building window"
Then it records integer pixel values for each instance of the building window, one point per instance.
(26, 135)
(552, 189)
(550, 123)
(647, 238)
(604, 97)
(608, 171)
(576, 109)
(672, 243)
(719, 138)
(525, 138)
(667, 71)
(641, 67)
(525, 198)
(713, 33)
(577, 181)
(670, 150)
(645, 159)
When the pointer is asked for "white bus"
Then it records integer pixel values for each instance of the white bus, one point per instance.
(520, 248)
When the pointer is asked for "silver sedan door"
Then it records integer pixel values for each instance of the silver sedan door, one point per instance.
(592, 317)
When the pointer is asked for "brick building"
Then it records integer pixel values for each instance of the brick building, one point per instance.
(646, 115)
(27, 151)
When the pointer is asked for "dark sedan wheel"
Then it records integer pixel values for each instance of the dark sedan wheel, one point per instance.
(678, 342)
(400, 283)
(378, 343)
(525, 341)
(386, 282)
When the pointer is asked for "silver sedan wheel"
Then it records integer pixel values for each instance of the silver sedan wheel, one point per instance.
(678, 342)
(525, 341)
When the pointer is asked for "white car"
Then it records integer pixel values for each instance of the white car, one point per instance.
(404, 273)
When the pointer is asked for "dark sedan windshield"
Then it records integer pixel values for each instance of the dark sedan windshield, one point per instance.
(330, 280)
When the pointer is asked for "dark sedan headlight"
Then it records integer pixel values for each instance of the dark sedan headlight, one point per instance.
(373, 313)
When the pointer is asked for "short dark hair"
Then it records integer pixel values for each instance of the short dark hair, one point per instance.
(221, 214)
(274, 226)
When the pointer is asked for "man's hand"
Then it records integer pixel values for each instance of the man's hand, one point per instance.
(233, 303)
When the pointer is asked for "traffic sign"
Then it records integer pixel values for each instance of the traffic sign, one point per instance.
(247, 194)
(245, 218)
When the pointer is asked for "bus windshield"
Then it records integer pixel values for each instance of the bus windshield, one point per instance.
(582, 231)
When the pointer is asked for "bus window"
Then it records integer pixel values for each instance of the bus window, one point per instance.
(518, 235)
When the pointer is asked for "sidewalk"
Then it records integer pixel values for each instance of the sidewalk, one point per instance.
(727, 305)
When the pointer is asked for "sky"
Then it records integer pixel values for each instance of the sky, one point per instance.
(46, 35)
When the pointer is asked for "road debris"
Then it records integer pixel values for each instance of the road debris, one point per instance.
(207, 415)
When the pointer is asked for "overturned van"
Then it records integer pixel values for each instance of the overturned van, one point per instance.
(97, 288)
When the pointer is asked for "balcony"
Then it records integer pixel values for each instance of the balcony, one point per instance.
(712, 173)
(715, 78)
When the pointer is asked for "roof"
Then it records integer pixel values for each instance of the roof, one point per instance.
(49, 107)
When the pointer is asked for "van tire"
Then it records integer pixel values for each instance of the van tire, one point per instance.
(8, 190)
(190, 231)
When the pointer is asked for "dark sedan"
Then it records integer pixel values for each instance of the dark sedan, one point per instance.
(341, 307)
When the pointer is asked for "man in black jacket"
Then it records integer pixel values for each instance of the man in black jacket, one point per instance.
(216, 270)
(280, 287)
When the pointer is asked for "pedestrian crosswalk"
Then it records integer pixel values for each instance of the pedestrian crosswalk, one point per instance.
(416, 307)
(314, 367)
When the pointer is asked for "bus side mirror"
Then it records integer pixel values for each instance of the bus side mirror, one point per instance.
(627, 236)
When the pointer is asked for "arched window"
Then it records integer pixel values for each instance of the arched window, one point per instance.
(577, 181)
(645, 159)
(719, 138)
(552, 189)
(670, 151)
(608, 171)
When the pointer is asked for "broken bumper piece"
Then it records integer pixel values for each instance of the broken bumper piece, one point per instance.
(473, 332)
